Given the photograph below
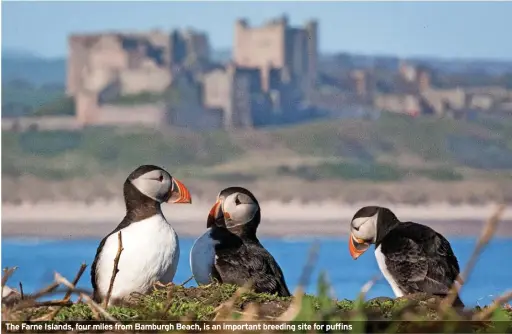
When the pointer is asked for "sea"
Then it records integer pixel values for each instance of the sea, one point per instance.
(38, 259)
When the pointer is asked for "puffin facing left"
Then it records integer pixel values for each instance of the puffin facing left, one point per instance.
(412, 257)
(151, 247)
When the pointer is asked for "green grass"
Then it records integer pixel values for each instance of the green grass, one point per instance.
(367, 171)
(33, 97)
(171, 95)
(105, 151)
(141, 98)
(205, 303)
(428, 138)
(345, 150)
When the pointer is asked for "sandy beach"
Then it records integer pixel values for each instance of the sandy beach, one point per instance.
(293, 219)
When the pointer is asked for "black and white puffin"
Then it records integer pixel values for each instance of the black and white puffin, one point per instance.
(151, 247)
(230, 252)
(412, 257)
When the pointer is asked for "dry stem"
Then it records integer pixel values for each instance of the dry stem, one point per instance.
(7, 273)
(115, 270)
(188, 280)
(67, 296)
(22, 294)
(487, 234)
(296, 305)
(485, 313)
(86, 298)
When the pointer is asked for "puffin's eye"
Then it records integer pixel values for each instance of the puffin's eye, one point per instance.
(237, 201)
(161, 178)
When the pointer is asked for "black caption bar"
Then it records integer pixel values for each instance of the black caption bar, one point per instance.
(255, 326)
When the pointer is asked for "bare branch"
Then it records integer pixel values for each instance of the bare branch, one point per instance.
(66, 298)
(21, 291)
(487, 234)
(86, 298)
(115, 270)
(7, 273)
(485, 313)
(188, 280)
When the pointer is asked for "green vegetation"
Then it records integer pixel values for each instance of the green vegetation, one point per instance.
(171, 95)
(346, 150)
(20, 98)
(141, 98)
(429, 138)
(61, 154)
(61, 106)
(369, 171)
(420, 313)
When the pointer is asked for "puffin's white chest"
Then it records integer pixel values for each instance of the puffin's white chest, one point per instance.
(150, 253)
(202, 258)
(381, 261)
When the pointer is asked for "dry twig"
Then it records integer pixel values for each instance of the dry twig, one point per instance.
(85, 297)
(296, 305)
(7, 273)
(485, 313)
(67, 296)
(188, 280)
(487, 234)
(367, 286)
(21, 291)
(225, 309)
(115, 270)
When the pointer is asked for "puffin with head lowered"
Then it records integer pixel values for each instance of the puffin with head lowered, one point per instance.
(151, 247)
(412, 257)
(230, 252)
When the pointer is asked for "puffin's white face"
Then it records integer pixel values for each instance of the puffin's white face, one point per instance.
(162, 187)
(232, 209)
(363, 230)
(238, 209)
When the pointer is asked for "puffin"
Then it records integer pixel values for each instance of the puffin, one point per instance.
(412, 257)
(229, 251)
(151, 248)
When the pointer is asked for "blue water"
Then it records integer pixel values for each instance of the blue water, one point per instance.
(39, 259)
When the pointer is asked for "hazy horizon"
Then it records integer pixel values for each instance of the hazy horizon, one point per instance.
(446, 30)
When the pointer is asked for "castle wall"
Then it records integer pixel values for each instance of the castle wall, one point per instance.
(41, 123)
(152, 115)
(144, 80)
(217, 89)
(261, 46)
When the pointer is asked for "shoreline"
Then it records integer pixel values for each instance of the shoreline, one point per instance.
(75, 220)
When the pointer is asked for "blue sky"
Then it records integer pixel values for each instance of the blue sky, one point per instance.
(441, 29)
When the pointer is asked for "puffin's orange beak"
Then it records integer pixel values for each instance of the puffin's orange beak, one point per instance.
(179, 193)
(215, 214)
(214, 211)
(357, 246)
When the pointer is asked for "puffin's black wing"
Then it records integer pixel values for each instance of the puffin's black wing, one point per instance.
(250, 261)
(94, 274)
(420, 259)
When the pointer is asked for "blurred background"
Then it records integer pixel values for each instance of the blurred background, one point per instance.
(315, 107)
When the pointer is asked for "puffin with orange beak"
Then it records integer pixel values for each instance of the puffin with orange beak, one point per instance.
(412, 257)
(230, 252)
(151, 249)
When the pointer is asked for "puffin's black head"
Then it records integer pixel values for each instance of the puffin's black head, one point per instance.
(152, 183)
(237, 209)
(368, 226)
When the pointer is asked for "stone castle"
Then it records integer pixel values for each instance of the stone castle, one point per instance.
(272, 68)
(169, 78)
